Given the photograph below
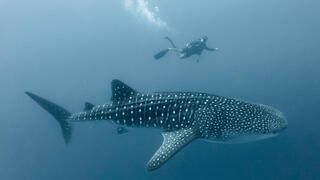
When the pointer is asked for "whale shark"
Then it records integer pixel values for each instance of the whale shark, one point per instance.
(182, 116)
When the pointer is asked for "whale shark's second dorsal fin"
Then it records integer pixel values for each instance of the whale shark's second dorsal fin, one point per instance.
(88, 106)
(121, 91)
(172, 142)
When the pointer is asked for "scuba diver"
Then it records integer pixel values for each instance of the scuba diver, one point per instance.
(192, 48)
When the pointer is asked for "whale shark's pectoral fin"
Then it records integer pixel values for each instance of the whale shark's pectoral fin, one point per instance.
(173, 141)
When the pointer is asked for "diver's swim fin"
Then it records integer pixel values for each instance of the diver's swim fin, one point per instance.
(161, 54)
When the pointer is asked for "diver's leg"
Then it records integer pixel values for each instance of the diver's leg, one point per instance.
(178, 50)
(171, 42)
(198, 58)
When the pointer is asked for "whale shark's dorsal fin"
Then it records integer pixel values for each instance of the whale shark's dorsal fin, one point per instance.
(121, 91)
(173, 141)
(88, 106)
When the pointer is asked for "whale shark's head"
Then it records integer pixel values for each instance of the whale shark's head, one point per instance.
(243, 123)
(274, 119)
(266, 122)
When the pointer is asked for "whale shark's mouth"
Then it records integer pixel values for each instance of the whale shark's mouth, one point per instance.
(280, 129)
(244, 138)
(251, 138)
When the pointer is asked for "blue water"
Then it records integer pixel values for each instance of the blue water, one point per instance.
(69, 51)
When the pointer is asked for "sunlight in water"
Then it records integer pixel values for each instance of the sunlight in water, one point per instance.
(141, 9)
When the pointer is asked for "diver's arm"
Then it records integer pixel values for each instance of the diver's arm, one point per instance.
(210, 49)
(199, 55)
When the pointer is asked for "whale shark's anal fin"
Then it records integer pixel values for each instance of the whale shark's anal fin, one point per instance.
(173, 141)
(121, 91)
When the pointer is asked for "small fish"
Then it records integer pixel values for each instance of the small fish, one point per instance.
(121, 130)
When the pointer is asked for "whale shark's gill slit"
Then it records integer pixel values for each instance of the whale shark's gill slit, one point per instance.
(191, 115)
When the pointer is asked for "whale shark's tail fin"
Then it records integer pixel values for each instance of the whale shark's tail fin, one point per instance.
(59, 113)
(165, 51)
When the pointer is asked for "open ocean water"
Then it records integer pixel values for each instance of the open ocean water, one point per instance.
(69, 51)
